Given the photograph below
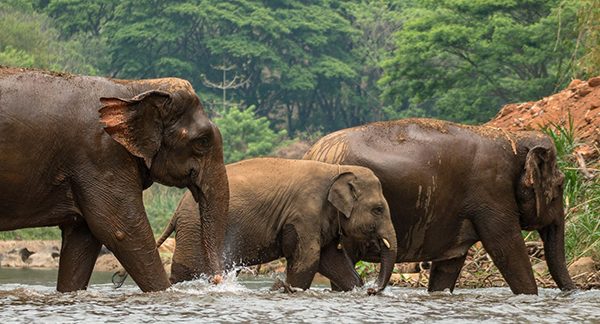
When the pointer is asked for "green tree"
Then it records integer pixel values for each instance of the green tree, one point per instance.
(296, 55)
(588, 16)
(28, 39)
(462, 60)
(245, 135)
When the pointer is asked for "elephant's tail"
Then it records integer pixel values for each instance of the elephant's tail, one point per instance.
(167, 232)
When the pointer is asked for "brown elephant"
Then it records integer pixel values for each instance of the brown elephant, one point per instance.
(449, 186)
(77, 152)
(300, 210)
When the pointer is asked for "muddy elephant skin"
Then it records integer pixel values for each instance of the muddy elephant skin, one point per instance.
(77, 151)
(449, 186)
(294, 209)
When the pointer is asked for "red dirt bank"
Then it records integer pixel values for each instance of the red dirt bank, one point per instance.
(580, 100)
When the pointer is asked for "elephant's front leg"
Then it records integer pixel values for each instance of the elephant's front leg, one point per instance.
(77, 257)
(116, 217)
(338, 268)
(501, 237)
(302, 255)
(443, 274)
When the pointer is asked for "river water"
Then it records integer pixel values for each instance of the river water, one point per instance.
(29, 296)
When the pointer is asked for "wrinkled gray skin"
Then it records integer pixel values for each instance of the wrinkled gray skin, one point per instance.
(77, 151)
(293, 209)
(449, 186)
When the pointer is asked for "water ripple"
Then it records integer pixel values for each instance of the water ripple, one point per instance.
(250, 299)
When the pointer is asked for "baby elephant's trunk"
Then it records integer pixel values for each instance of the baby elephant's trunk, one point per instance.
(388, 247)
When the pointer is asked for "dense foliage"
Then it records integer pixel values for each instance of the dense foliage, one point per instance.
(581, 196)
(462, 60)
(30, 39)
(319, 65)
(245, 135)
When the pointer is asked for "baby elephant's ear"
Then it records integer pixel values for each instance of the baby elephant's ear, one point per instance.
(136, 123)
(342, 193)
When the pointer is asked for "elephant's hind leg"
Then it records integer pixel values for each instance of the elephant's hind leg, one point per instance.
(443, 274)
(502, 240)
(78, 256)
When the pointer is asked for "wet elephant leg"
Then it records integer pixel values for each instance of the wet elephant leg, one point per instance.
(353, 252)
(116, 217)
(502, 240)
(338, 268)
(78, 256)
(301, 272)
(443, 274)
(302, 255)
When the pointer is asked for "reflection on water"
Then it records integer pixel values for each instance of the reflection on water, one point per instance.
(29, 296)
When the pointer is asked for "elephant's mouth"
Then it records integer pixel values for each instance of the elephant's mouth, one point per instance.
(378, 245)
(195, 189)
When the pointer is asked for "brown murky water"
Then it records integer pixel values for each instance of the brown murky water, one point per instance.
(29, 296)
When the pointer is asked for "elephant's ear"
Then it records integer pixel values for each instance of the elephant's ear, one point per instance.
(539, 177)
(136, 123)
(342, 193)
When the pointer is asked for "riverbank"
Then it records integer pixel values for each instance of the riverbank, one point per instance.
(478, 272)
(45, 254)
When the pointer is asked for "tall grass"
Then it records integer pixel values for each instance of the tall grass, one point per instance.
(38, 233)
(581, 196)
(160, 203)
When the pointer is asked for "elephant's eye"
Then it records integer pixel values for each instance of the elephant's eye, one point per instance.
(378, 211)
(201, 143)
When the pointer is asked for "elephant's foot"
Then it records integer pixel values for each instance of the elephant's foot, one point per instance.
(118, 278)
(287, 288)
(443, 274)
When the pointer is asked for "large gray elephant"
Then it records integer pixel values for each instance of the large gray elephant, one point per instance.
(77, 151)
(300, 210)
(449, 186)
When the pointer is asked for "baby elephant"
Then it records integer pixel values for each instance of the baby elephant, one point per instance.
(300, 210)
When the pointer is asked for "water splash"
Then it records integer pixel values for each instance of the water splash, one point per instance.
(203, 285)
(248, 298)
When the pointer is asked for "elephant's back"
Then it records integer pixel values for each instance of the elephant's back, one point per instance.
(52, 113)
(43, 95)
(49, 123)
(264, 193)
(276, 172)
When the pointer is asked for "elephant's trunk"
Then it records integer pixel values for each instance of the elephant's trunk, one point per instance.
(388, 259)
(553, 236)
(213, 205)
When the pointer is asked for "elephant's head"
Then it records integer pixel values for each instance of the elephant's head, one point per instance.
(539, 194)
(365, 216)
(539, 191)
(167, 128)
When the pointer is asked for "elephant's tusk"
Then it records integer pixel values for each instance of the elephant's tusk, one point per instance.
(387, 244)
